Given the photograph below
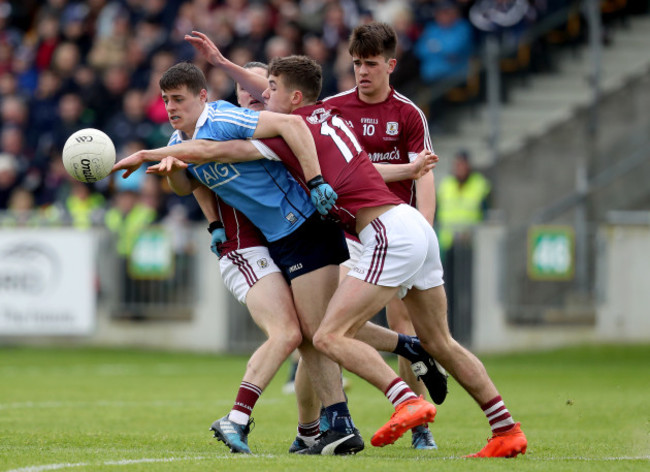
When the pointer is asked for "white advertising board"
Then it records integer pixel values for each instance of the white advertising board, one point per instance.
(47, 282)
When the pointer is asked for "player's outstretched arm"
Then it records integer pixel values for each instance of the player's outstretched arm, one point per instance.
(424, 162)
(253, 83)
(197, 151)
(174, 170)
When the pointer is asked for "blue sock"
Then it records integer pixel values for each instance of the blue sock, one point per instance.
(408, 347)
(339, 418)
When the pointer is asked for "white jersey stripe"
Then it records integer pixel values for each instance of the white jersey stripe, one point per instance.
(234, 112)
(223, 120)
(425, 123)
(341, 94)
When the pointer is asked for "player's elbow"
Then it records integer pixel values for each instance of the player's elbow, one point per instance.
(292, 121)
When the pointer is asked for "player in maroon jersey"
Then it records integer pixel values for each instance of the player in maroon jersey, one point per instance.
(400, 249)
(392, 130)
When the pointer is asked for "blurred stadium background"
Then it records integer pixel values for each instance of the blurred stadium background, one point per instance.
(551, 105)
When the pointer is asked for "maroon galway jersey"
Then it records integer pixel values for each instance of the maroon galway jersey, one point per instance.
(240, 232)
(343, 162)
(394, 131)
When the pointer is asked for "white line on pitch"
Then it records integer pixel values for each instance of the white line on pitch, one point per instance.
(115, 404)
(45, 467)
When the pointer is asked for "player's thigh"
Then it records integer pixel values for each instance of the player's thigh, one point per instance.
(397, 316)
(312, 293)
(270, 304)
(354, 303)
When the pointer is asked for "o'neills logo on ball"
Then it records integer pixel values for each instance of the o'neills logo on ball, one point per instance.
(84, 139)
(85, 168)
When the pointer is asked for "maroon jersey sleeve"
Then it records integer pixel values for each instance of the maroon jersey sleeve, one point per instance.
(344, 164)
(240, 232)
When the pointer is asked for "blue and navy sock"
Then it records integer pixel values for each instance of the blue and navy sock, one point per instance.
(339, 418)
(408, 347)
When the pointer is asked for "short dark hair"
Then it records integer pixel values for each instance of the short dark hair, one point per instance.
(300, 73)
(373, 39)
(183, 73)
(254, 64)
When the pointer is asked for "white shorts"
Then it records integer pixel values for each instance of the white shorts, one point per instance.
(354, 248)
(400, 249)
(241, 269)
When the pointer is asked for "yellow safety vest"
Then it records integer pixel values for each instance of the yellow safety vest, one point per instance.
(81, 210)
(460, 206)
(128, 227)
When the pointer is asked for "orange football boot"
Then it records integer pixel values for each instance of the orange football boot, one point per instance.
(507, 444)
(408, 415)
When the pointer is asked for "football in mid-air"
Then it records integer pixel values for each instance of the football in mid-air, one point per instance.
(88, 155)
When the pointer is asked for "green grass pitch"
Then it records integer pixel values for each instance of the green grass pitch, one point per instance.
(583, 408)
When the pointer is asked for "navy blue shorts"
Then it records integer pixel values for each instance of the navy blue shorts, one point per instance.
(315, 244)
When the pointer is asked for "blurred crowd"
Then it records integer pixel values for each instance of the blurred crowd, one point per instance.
(67, 65)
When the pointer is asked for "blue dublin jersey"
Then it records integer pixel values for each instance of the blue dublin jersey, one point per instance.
(263, 190)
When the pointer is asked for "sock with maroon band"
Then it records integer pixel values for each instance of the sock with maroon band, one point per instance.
(398, 391)
(247, 396)
(498, 415)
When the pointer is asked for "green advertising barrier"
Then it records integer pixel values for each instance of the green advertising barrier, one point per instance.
(551, 252)
(152, 256)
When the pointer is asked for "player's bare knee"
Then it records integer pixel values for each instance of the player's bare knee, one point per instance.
(323, 341)
(293, 340)
(287, 340)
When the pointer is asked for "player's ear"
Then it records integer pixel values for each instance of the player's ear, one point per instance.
(203, 95)
(296, 97)
(391, 65)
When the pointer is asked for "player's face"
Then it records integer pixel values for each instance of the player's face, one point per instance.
(184, 108)
(372, 75)
(245, 99)
(277, 96)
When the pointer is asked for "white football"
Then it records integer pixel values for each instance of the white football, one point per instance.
(88, 155)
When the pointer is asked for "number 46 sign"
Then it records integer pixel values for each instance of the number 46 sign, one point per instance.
(551, 252)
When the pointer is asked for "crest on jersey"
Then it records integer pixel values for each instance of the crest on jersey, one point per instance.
(319, 115)
(392, 128)
(263, 263)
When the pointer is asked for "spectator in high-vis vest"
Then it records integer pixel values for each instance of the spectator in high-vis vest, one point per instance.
(129, 214)
(84, 206)
(462, 202)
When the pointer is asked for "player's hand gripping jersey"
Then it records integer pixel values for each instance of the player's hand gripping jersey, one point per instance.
(344, 164)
